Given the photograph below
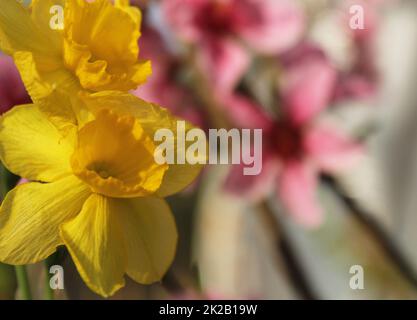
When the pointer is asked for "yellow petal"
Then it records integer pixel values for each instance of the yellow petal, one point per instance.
(150, 236)
(30, 216)
(58, 108)
(95, 240)
(41, 10)
(17, 30)
(122, 3)
(93, 24)
(134, 12)
(152, 118)
(42, 75)
(36, 48)
(139, 73)
(38, 55)
(45, 14)
(51, 87)
(30, 146)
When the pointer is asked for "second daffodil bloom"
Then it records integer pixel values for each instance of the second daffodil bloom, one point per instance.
(96, 189)
(73, 45)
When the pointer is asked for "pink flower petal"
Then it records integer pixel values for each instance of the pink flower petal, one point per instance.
(269, 26)
(157, 88)
(332, 150)
(254, 187)
(224, 62)
(355, 87)
(244, 113)
(308, 88)
(152, 47)
(371, 18)
(181, 16)
(297, 189)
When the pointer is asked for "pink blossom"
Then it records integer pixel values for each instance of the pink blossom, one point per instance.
(308, 83)
(220, 28)
(12, 90)
(355, 86)
(361, 81)
(297, 146)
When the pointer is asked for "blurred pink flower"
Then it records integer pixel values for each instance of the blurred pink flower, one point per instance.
(297, 146)
(355, 86)
(163, 86)
(361, 81)
(308, 82)
(216, 27)
(12, 90)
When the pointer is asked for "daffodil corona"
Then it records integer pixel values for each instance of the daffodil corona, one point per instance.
(96, 189)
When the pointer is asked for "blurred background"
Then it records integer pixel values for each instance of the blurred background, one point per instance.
(332, 85)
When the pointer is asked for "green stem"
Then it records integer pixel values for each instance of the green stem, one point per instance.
(8, 282)
(23, 282)
(4, 188)
(49, 293)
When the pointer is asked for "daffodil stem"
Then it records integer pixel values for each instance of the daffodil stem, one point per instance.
(4, 188)
(49, 292)
(23, 282)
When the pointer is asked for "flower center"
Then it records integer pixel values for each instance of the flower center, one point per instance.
(215, 18)
(287, 141)
(104, 174)
(100, 169)
(115, 157)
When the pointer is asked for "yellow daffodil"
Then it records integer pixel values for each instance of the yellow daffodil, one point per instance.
(96, 189)
(95, 48)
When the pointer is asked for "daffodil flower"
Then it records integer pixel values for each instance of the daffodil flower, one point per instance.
(96, 49)
(96, 189)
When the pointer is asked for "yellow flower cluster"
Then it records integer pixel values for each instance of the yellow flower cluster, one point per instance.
(86, 145)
